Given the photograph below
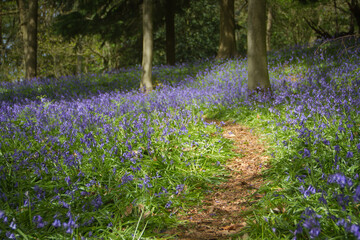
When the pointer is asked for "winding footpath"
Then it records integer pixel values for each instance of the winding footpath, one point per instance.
(224, 211)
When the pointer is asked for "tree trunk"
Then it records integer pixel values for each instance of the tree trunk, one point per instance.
(79, 64)
(268, 28)
(1, 39)
(146, 83)
(28, 22)
(258, 76)
(337, 29)
(355, 10)
(170, 32)
(56, 66)
(227, 46)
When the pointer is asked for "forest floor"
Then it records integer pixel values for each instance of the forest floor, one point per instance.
(223, 213)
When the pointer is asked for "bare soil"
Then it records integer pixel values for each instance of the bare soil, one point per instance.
(224, 212)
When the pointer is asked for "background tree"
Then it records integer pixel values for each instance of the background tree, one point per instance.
(146, 81)
(170, 32)
(354, 7)
(28, 14)
(258, 76)
(110, 32)
(1, 39)
(227, 46)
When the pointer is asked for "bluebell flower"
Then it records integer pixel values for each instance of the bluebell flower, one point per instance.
(13, 225)
(356, 195)
(306, 153)
(56, 223)
(310, 222)
(68, 180)
(168, 204)
(179, 188)
(355, 229)
(10, 235)
(340, 179)
(310, 190)
(322, 200)
(337, 148)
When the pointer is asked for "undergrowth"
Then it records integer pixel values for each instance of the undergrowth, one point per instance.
(87, 157)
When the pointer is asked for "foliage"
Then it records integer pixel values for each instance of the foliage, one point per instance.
(312, 124)
(114, 163)
(197, 31)
(102, 45)
(90, 160)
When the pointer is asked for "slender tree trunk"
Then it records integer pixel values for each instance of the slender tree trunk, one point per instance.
(79, 63)
(258, 76)
(1, 39)
(355, 10)
(28, 24)
(56, 66)
(336, 19)
(227, 46)
(170, 32)
(146, 83)
(269, 21)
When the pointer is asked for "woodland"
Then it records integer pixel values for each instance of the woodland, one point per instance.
(162, 119)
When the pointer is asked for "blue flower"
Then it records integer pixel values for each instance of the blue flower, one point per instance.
(10, 235)
(356, 195)
(337, 148)
(306, 153)
(56, 223)
(68, 180)
(310, 190)
(168, 204)
(13, 225)
(340, 179)
(310, 222)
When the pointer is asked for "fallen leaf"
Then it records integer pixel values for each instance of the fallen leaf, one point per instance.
(128, 210)
(276, 210)
(230, 227)
(245, 236)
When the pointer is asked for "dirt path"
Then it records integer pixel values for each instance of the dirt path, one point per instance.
(223, 213)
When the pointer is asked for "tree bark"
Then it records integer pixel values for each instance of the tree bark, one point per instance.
(146, 83)
(336, 19)
(28, 24)
(170, 32)
(79, 64)
(227, 46)
(258, 76)
(1, 39)
(355, 10)
(268, 28)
